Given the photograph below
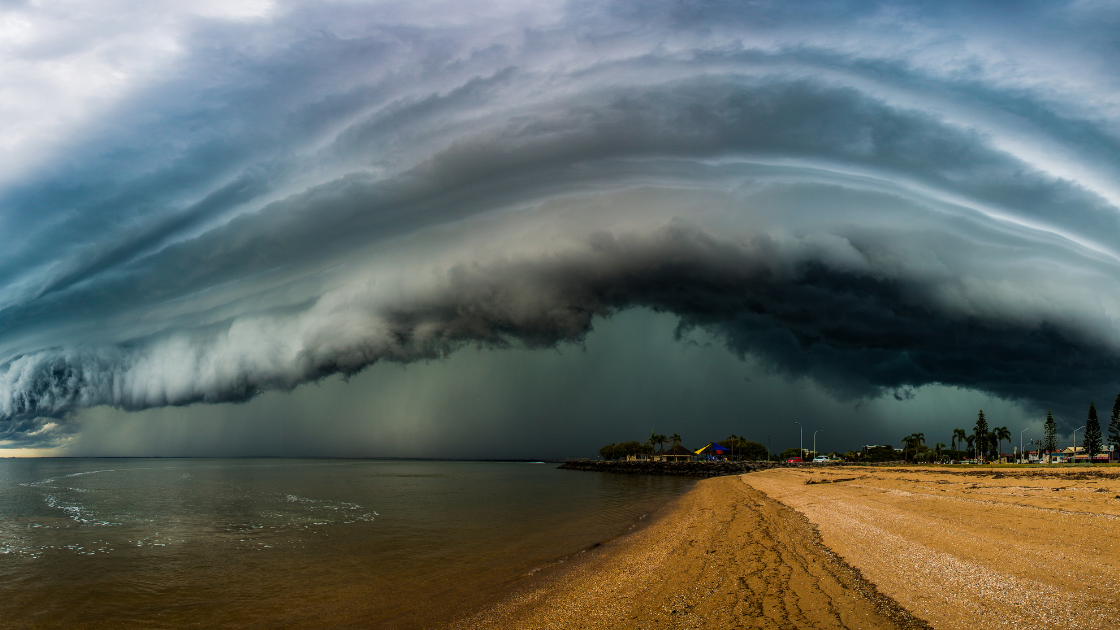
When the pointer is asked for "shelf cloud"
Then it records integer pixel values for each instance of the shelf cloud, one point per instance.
(873, 197)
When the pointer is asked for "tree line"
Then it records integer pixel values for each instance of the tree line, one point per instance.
(1093, 441)
(739, 447)
(985, 444)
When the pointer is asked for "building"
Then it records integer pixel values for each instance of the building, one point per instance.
(1078, 455)
(677, 454)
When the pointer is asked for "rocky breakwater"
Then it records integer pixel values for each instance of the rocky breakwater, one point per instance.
(684, 469)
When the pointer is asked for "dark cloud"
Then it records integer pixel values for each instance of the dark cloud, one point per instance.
(880, 196)
(854, 331)
(575, 147)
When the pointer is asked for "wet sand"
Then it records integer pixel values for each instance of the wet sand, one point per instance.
(849, 547)
(722, 556)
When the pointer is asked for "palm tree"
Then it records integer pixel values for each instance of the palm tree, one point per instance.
(914, 441)
(940, 445)
(733, 439)
(675, 439)
(959, 434)
(970, 440)
(1001, 434)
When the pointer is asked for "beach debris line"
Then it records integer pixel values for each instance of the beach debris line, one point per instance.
(810, 482)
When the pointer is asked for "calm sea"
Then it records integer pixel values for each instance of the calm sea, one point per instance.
(233, 543)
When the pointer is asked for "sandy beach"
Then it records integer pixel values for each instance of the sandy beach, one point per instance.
(991, 548)
(722, 556)
(848, 547)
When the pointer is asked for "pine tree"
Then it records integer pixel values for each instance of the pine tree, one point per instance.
(1092, 433)
(1050, 443)
(981, 433)
(1114, 424)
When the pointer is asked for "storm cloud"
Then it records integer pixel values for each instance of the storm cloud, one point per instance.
(875, 197)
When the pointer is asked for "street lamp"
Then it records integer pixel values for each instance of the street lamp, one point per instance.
(801, 443)
(815, 441)
(1074, 453)
(1021, 455)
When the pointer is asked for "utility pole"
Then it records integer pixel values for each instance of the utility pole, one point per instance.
(815, 441)
(1074, 453)
(801, 443)
(1021, 455)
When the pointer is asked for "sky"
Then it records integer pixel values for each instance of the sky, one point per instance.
(528, 229)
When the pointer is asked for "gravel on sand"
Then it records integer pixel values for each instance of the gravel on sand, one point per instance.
(971, 547)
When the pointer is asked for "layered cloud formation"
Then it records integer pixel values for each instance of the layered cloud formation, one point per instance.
(213, 203)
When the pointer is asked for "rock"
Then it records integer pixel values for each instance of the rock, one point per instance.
(684, 469)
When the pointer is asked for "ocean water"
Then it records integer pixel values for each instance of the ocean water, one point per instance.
(261, 543)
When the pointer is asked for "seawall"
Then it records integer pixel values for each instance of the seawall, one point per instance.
(684, 469)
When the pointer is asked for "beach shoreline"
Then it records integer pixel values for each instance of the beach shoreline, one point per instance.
(890, 547)
(721, 555)
(548, 576)
(547, 571)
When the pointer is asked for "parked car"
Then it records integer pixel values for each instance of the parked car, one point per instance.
(820, 459)
(794, 460)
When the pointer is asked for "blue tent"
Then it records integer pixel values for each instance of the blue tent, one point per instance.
(714, 448)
